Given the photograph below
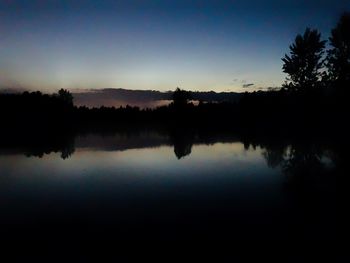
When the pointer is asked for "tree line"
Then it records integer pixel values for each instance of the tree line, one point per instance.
(315, 95)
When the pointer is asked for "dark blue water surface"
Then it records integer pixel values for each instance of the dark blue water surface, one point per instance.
(146, 187)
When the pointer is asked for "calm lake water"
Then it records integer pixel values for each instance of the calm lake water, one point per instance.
(150, 186)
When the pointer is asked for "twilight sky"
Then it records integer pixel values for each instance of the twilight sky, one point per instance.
(135, 44)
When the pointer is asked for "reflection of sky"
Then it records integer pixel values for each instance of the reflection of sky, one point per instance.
(123, 178)
(204, 160)
(197, 45)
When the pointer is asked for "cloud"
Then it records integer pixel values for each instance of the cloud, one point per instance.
(12, 89)
(142, 98)
(247, 85)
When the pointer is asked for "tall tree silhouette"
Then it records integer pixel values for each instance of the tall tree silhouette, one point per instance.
(338, 59)
(181, 97)
(304, 63)
(66, 96)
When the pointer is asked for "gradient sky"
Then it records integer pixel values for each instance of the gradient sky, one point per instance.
(135, 44)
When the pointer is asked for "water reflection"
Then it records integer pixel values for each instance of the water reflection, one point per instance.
(169, 185)
(303, 162)
(291, 156)
(311, 170)
(66, 143)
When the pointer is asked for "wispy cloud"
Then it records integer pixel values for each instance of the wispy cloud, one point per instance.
(247, 85)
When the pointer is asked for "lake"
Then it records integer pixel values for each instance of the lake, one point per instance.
(158, 186)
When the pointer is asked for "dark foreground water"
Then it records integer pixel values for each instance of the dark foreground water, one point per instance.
(149, 187)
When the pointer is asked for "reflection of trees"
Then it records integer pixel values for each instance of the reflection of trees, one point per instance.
(302, 158)
(183, 142)
(310, 171)
(274, 156)
(182, 148)
(68, 149)
(63, 142)
(308, 166)
(37, 145)
(310, 183)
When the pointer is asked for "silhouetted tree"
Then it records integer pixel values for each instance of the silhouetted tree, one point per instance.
(65, 96)
(181, 97)
(305, 60)
(338, 59)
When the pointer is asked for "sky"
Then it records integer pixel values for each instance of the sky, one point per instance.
(160, 45)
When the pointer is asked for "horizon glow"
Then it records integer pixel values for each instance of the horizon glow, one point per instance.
(157, 45)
